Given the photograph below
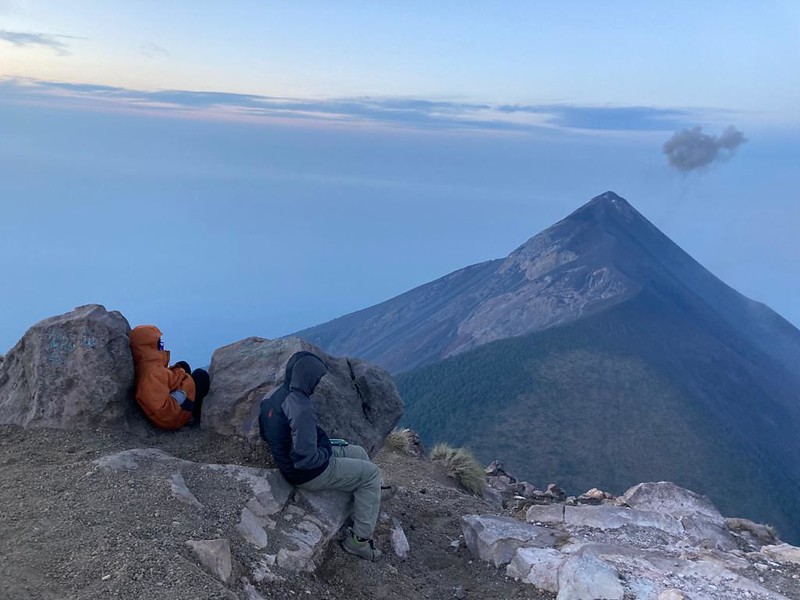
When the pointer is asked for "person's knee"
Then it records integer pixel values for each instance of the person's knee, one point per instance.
(202, 382)
(359, 452)
(373, 476)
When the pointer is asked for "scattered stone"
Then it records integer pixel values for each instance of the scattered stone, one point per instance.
(555, 492)
(252, 529)
(301, 524)
(528, 489)
(671, 594)
(182, 492)
(493, 496)
(214, 555)
(399, 540)
(783, 553)
(356, 401)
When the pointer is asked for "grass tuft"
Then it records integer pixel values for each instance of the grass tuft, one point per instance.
(462, 466)
(401, 440)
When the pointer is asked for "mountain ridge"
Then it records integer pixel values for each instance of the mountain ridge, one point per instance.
(601, 254)
(531, 346)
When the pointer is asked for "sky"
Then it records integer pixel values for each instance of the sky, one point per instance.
(247, 168)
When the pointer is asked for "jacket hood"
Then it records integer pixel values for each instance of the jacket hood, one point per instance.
(306, 371)
(144, 345)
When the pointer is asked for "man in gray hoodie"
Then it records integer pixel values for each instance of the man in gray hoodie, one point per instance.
(306, 457)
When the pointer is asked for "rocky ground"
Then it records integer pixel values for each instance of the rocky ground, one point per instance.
(71, 530)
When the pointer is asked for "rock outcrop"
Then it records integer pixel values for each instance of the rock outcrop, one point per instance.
(262, 524)
(355, 400)
(71, 371)
(658, 541)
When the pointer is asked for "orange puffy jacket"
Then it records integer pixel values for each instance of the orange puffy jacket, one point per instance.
(155, 381)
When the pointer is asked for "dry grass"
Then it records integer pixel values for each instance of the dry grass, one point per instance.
(462, 466)
(401, 440)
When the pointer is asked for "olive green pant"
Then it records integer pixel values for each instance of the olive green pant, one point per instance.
(350, 470)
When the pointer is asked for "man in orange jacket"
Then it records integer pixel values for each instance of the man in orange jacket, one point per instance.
(169, 396)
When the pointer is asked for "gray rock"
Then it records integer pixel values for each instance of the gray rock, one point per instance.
(555, 492)
(496, 539)
(493, 496)
(783, 553)
(545, 513)
(252, 529)
(585, 577)
(399, 540)
(356, 400)
(671, 594)
(300, 524)
(214, 555)
(72, 371)
(668, 498)
(538, 566)
(707, 534)
(705, 526)
(182, 492)
(614, 517)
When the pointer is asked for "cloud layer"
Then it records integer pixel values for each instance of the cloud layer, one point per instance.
(399, 112)
(691, 149)
(24, 39)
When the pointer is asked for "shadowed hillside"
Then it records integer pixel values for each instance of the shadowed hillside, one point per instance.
(634, 393)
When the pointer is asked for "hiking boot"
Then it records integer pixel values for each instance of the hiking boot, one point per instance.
(365, 549)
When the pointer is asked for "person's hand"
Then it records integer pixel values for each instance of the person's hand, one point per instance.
(180, 397)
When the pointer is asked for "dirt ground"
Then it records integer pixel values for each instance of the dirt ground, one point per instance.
(66, 533)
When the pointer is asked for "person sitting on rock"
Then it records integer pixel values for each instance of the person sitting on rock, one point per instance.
(169, 396)
(308, 460)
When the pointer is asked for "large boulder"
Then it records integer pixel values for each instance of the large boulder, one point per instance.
(703, 523)
(496, 539)
(355, 400)
(71, 371)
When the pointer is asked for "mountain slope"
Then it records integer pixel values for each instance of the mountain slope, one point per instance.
(633, 393)
(599, 353)
(602, 254)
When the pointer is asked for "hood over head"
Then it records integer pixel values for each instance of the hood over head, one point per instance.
(304, 371)
(144, 345)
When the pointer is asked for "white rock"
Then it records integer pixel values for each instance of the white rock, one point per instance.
(667, 498)
(251, 529)
(181, 491)
(538, 566)
(215, 555)
(614, 517)
(545, 513)
(399, 540)
(585, 577)
(671, 594)
(496, 539)
(783, 553)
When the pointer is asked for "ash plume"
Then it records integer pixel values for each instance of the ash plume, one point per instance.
(690, 149)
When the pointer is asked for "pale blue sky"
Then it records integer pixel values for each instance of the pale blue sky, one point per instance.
(352, 150)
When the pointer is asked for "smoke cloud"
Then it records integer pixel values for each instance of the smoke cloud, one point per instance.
(690, 149)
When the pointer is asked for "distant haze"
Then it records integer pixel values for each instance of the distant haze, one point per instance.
(264, 167)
